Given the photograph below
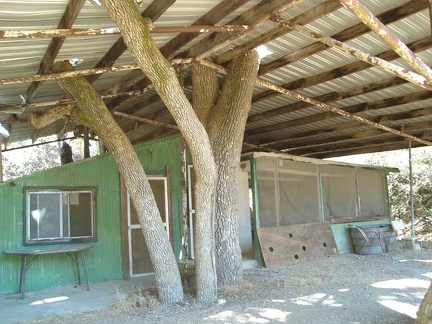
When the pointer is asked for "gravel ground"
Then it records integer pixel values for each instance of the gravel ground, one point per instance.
(339, 289)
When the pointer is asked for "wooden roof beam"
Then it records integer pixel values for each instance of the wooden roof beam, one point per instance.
(137, 80)
(328, 97)
(52, 33)
(71, 13)
(387, 17)
(384, 65)
(397, 144)
(329, 108)
(357, 108)
(305, 18)
(405, 119)
(389, 37)
(357, 136)
(254, 17)
(153, 11)
(341, 71)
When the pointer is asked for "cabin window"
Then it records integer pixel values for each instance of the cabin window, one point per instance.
(60, 216)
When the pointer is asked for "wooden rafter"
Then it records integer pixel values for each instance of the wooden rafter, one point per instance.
(387, 17)
(354, 109)
(305, 18)
(153, 11)
(71, 13)
(52, 33)
(254, 17)
(397, 144)
(341, 71)
(329, 108)
(406, 120)
(66, 101)
(55, 76)
(328, 97)
(384, 65)
(217, 13)
(389, 37)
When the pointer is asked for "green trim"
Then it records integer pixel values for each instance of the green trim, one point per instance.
(255, 204)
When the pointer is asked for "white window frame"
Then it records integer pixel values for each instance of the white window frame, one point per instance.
(62, 237)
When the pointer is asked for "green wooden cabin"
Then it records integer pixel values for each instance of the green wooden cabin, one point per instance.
(93, 206)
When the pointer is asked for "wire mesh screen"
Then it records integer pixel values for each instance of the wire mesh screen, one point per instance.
(298, 190)
(287, 192)
(292, 192)
(372, 186)
(339, 191)
(267, 202)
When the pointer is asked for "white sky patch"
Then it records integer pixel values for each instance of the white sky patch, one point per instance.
(75, 61)
(263, 51)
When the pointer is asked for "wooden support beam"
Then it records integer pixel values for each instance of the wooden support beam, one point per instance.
(323, 105)
(75, 73)
(254, 18)
(145, 120)
(417, 46)
(389, 37)
(153, 11)
(53, 33)
(305, 18)
(329, 97)
(407, 123)
(136, 79)
(397, 144)
(368, 58)
(388, 17)
(65, 101)
(71, 13)
(357, 108)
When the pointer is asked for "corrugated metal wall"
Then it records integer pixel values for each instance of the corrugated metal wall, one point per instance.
(105, 260)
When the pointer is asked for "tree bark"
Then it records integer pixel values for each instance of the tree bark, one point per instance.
(93, 113)
(226, 121)
(136, 34)
(424, 314)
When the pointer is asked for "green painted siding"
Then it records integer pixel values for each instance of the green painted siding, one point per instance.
(104, 261)
(155, 156)
(342, 234)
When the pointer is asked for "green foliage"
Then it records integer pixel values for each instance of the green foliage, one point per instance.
(399, 186)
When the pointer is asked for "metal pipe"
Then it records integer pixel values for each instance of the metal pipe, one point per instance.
(411, 188)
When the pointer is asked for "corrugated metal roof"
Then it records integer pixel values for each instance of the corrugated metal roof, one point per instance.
(22, 57)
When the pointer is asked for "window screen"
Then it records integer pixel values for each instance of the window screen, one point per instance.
(339, 191)
(372, 186)
(298, 187)
(60, 215)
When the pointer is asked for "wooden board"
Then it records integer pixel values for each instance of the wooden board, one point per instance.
(285, 245)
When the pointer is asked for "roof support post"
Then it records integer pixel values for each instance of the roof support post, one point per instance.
(411, 189)
(388, 36)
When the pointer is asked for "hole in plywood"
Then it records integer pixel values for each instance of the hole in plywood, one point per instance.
(304, 248)
(271, 249)
(296, 256)
(290, 235)
(325, 244)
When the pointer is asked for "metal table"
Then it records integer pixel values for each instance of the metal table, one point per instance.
(72, 250)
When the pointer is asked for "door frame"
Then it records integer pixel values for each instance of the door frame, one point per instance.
(127, 226)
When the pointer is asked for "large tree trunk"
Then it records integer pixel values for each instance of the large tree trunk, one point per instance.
(226, 122)
(136, 34)
(424, 314)
(93, 113)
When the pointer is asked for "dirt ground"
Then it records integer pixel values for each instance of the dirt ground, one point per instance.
(339, 289)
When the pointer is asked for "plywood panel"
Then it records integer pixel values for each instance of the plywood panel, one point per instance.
(284, 245)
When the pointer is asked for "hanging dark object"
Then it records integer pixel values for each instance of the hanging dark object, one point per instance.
(66, 153)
